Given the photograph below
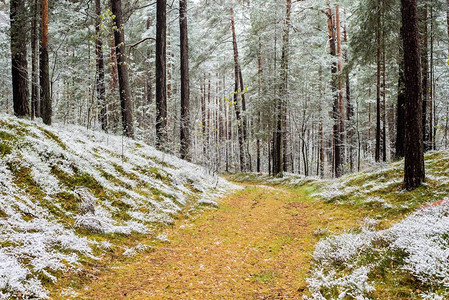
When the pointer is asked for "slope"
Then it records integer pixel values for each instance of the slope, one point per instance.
(71, 196)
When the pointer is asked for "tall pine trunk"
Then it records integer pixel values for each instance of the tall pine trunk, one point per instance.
(44, 68)
(161, 74)
(100, 85)
(19, 58)
(378, 85)
(414, 174)
(280, 136)
(35, 95)
(349, 108)
(400, 121)
(337, 155)
(340, 114)
(238, 115)
(259, 95)
(425, 74)
(185, 87)
(122, 70)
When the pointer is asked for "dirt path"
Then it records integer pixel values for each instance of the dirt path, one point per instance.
(257, 245)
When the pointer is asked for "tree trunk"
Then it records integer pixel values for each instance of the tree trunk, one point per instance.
(101, 90)
(236, 94)
(349, 109)
(425, 74)
(203, 115)
(400, 121)
(321, 131)
(259, 94)
(378, 85)
(185, 85)
(19, 58)
(337, 157)
(341, 119)
(414, 174)
(432, 125)
(161, 74)
(35, 95)
(384, 102)
(122, 69)
(280, 137)
(44, 68)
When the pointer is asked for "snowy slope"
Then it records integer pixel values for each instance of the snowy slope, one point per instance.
(59, 185)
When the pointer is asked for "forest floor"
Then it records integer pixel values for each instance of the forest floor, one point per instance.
(257, 245)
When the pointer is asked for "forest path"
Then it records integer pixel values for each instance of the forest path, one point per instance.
(257, 245)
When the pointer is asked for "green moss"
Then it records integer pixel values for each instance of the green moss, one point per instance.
(53, 137)
(6, 136)
(68, 201)
(120, 170)
(23, 179)
(6, 124)
(264, 277)
(159, 162)
(4, 244)
(111, 178)
(7, 141)
(80, 180)
(5, 149)
(156, 173)
(190, 186)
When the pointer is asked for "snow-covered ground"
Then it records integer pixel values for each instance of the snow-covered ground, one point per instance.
(60, 184)
(418, 245)
(349, 265)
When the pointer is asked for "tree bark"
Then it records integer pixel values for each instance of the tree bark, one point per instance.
(425, 74)
(19, 61)
(100, 85)
(384, 102)
(35, 95)
(203, 115)
(44, 68)
(349, 108)
(236, 94)
(414, 174)
(185, 85)
(337, 157)
(122, 70)
(341, 119)
(400, 121)
(280, 136)
(378, 85)
(259, 95)
(161, 74)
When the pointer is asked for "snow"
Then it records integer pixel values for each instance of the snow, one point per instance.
(38, 233)
(422, 238)
(355, 285)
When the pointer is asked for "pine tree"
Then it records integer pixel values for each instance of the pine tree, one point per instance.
(122, 70)
(100, 80)
(47, 109)
(19, 58)
(414, 149)
(161, 74)
(185, 85)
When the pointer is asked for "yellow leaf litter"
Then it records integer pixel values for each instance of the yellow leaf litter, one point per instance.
(257, 245)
